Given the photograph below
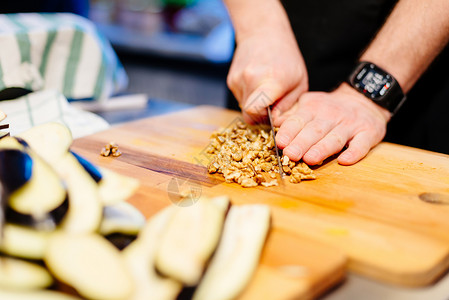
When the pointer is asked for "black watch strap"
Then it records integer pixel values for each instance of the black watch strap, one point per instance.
(377, 85)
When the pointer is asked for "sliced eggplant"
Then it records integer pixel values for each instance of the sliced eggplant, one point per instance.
(3, 201)
(123, 218)
(121, 224)
(47, 222)
(237, 255)
(35, 295)
(121, 240)
(51, 140)
(24, 242)
(90, 168)
(140, 256)
(33, 190)
(189, 240)
(113, 187)
(90, 264)
(15, 169)
(41, 194)
(85, 209)
(19, 274)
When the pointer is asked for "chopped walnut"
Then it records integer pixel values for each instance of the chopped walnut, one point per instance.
(246, 155)
(270, 183)
(111, 149)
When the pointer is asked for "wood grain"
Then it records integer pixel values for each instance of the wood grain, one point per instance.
(370, 211)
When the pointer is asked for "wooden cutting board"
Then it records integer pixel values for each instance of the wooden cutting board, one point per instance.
(370, 211)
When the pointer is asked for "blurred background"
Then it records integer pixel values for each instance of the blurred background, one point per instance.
(172, 50)
(177, 50)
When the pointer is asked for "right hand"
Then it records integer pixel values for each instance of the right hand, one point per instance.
(270, 62)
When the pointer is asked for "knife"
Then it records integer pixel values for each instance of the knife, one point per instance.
(281, 171)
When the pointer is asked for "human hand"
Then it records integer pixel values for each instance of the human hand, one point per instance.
(2, 115)
(267, 67)
(322, 124)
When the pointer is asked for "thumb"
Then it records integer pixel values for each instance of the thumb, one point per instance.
(255, 107)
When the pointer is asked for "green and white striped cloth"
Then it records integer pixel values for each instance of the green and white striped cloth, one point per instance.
(58, 51)
(56, 56)
(49, 106)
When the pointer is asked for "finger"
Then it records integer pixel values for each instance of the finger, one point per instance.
(250, 119)
(263, 96)
(283, 105)
(235, 84)
(332, 143)
(278, 121)
(290, 129)
(2, 115)
(358, 148)
(312, 132)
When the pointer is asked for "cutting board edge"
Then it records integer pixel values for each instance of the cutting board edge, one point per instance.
(421, 279)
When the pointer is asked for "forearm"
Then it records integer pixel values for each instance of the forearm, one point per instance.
(413, 35)
(256, 16)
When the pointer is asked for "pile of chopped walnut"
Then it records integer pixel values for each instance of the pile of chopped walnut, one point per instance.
(246, 155)
(111, 149)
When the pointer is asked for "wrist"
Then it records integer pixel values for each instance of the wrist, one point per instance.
(377, 85)
(357, 96)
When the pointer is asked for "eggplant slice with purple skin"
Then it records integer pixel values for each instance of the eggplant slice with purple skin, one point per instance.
(121, 223)
(112, 187)
(24, 242)
(238, 253)
(15, 169)
(17, 274)
(190, 238)
(35, 196)
(52, 142)
(91, 265)
(90, 168)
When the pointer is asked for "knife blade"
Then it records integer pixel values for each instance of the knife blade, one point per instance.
(281, 171)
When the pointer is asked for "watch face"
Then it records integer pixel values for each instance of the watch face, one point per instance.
(373, 81)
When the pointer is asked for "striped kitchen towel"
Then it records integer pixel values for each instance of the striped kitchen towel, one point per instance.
(59, 51)
(49, 106)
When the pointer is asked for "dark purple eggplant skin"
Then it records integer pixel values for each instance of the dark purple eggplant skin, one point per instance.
(48, 222)
(120, 240)
(90, 168)
(22, 142)
(15, 169)
(2, 209)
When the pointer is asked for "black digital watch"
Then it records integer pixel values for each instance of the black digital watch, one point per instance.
(377, 85)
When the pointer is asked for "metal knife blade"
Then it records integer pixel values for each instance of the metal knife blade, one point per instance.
(281, 171)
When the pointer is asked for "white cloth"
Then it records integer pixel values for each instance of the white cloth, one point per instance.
(49, 106)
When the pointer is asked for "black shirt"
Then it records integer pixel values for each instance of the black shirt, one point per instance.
(332, 35)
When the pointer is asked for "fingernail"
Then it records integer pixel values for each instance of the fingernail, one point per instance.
(282, 140)
(293, 151)
(346, 156)
(312, 155)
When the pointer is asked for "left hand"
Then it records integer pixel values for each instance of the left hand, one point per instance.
(322, 124)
